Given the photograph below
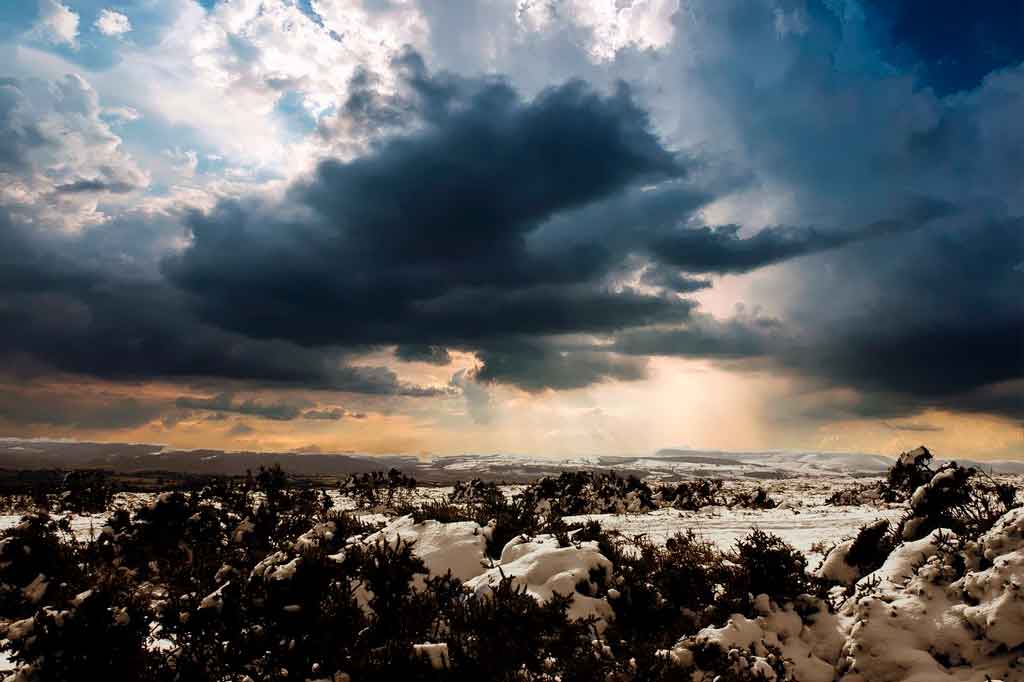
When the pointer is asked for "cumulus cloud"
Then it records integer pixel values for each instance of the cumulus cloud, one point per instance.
(58, 22)
(424, 239)
(608, 25)
(58, 157)
(112, 23)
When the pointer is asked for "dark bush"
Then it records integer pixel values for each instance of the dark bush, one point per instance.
(762, 563)
(961, 499)
(872, 546)
(98, 634)
(586, 492)
(694, 495)
(378, 489)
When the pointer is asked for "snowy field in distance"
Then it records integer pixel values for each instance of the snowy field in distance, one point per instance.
(802, 519)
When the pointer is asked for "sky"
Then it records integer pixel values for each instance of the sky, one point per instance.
(550, 227)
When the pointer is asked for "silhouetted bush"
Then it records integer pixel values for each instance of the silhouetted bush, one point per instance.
(379, 489)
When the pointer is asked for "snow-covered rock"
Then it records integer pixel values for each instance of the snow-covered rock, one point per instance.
(459, 547)
(437, 654)
(837, 568)
(543, 568)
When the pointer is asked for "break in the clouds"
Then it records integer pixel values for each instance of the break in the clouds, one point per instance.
(416, 202)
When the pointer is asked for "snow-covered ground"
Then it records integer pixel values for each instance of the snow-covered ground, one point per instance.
(803, 528)
(802, 519)
(904, 622)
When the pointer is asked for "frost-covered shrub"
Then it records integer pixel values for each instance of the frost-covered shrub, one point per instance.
(436, 510)
(586, 492)
(762, 563)
(754, 499)
(911, 470)
(868, 493)
(507, 518)
(476, 492)
(848, 561)
(939, 608)
(509, 634)
(694, 495)
(259, 579)
(964, 500)
(659, 594)
(38, 561)
(713, 655)
(98, 634)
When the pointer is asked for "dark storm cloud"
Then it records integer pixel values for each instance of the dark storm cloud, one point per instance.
(952, 45)
(721, 250)
(84, 186)
(741, 336)
(480, 220)
(942, 320)
(434, 355)
(62, 409)
(536, 366)
(424, 239)
(225, 402)
(917, 308)
(673, 280)
(69, 309)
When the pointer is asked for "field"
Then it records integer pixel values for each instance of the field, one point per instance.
(910, 575)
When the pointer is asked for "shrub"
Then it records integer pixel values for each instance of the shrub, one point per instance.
(39, 563)
(86, 491)
(98, 634)
(694, 495)
(911, 470)
(585, 492)
(378, 489)
(756, 499)
(964, 500)
(872, 546)
(508, 635)
(762, 563)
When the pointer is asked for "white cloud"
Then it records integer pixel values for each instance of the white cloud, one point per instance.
(67, 159)
(611, 24)
(122, 114)
(112, 23)
(58, 22)
(185, 161)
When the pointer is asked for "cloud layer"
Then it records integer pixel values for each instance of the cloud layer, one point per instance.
(327, 195)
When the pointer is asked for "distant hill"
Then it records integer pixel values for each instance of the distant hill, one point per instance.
(667, 464)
